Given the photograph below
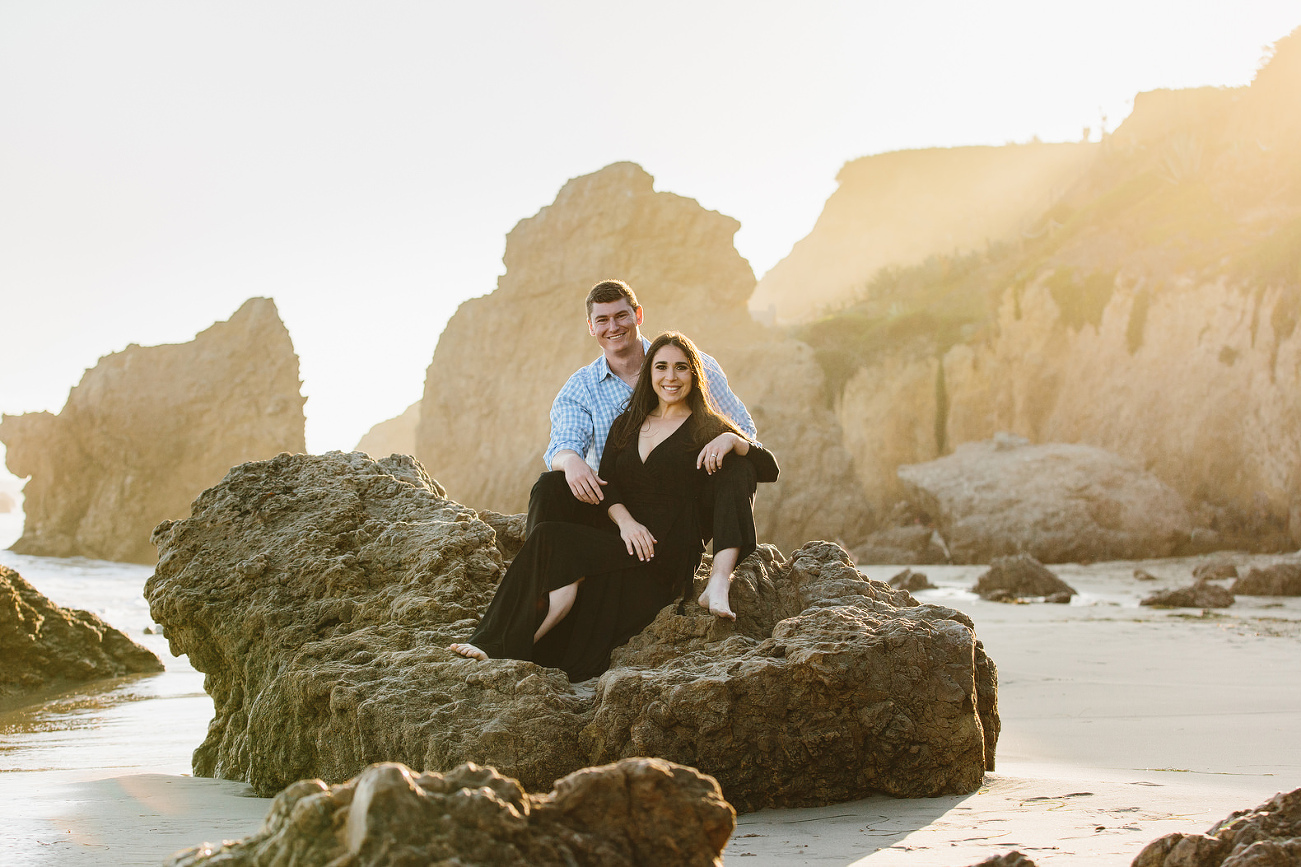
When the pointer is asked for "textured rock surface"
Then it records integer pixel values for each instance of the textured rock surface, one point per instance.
(635, 812)
(318, 595)
(484, 426)
(1281, 579)
(1055, 502)
(898, 208)
(147, 429)
(1020, 577)
(1199, 594)
(43, 645)
(396, 436)
(1268, 836)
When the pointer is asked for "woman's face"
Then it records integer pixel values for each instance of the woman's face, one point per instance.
(671, 375)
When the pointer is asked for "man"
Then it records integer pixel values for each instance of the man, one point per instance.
(593, 397)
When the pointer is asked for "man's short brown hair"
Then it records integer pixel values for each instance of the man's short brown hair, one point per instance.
(610, 290)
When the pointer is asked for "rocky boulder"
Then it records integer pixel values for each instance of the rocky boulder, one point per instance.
(635, 812)
(910, 581)
(1057, 502)
(1281, 579)
(319, 593)
(1021, 577)
(1268, 835)
(44, 646)
(147, 429)
(1199, 594)
(484, 416)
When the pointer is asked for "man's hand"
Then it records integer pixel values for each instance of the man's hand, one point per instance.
(711, 456)
(582, 480)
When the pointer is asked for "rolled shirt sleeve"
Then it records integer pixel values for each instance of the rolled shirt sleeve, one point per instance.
(572, 427)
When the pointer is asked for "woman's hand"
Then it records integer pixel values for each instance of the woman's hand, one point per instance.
(711, 456)
(636, 538)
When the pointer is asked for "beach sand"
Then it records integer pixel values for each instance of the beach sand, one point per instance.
(1120, 724)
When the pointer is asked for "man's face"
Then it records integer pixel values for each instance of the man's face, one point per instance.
(614, 325)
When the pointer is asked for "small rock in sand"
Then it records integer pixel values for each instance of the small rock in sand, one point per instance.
(1201, 594)
(1012, 578)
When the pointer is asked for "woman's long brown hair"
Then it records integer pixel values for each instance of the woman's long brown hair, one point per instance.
(705, 423)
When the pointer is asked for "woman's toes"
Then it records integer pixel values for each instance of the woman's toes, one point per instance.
(469, 651)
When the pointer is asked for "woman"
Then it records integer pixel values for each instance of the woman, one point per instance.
(677, 471)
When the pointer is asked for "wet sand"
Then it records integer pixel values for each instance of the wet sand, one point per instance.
(1120, 724)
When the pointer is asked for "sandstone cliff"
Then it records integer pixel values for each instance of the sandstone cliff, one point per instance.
(1152, 312)
(44, 646)
(895, 209)
(396, 436)
(147, 429)
(502, 357)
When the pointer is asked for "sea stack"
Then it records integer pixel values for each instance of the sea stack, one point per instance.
(501, 359)
(147, 429)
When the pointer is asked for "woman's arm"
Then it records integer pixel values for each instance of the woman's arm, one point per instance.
(711, 456)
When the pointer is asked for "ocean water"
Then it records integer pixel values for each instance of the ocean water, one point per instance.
(137, 724)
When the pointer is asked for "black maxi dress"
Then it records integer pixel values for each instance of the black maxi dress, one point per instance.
(621, 595)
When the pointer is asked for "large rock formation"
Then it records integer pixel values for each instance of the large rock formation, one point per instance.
(44, 646)
(501, 359)
(319, 593)
(1055, 502)
(898, 208)
(1151, 312)
(636, 812)
(147, 429)
(1264, 837)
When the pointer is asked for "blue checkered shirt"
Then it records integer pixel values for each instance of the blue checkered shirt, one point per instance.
(594, 396)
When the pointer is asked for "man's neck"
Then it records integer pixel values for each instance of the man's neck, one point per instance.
(627, 365)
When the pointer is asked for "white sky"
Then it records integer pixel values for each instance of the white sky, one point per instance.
(361, 162)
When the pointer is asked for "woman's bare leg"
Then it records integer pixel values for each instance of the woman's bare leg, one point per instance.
(559, 601)
(715, 597)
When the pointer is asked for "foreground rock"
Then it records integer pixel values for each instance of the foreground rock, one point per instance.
(635, 812)
(1021, 577)
(43, 646)
(483, 427)
(318, 595)
(1268, 836)
(1199, 594)
(149, 428)
(1281, 579)
(1058, 503)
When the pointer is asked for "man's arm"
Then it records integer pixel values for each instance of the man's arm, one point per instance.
(572, 435)
(728, 403)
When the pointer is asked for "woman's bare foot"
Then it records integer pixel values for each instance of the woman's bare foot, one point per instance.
(469, 651)
(715, 598)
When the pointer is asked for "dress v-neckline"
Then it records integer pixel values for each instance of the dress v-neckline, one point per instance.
(680, 426)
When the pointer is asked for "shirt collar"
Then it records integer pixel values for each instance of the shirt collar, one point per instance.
(603, 370)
